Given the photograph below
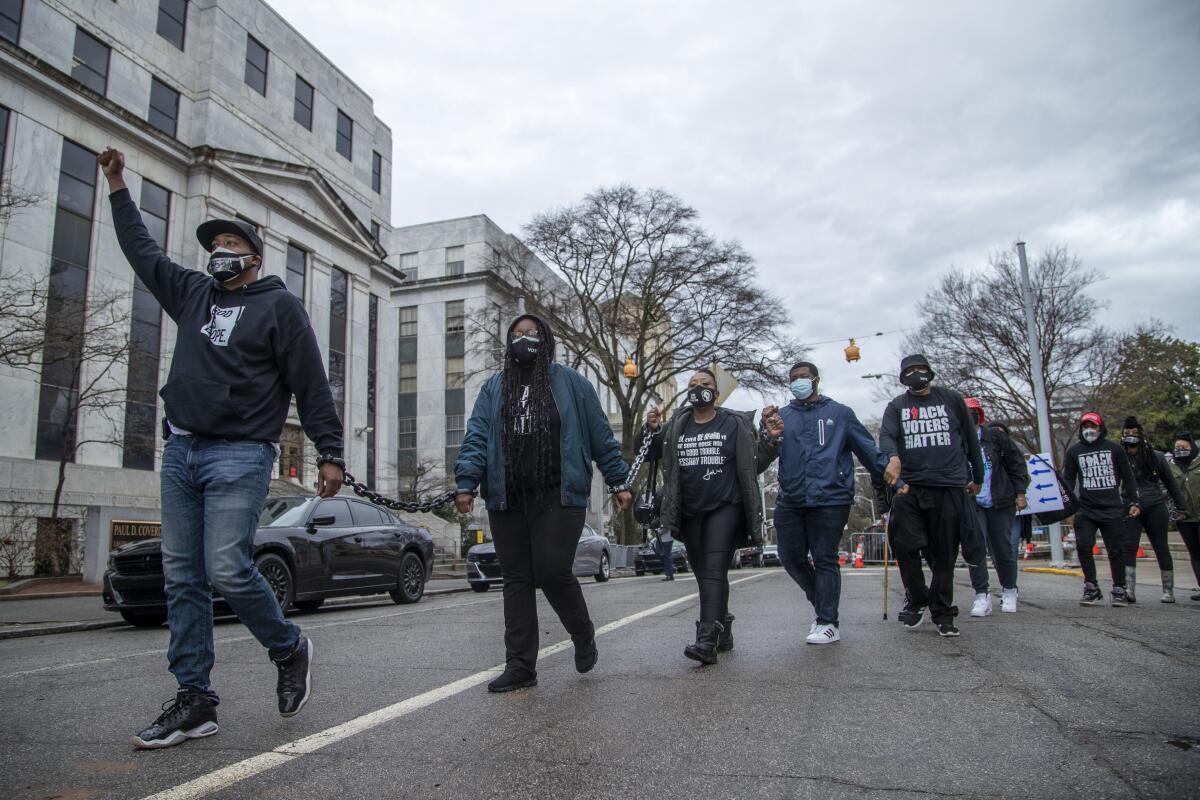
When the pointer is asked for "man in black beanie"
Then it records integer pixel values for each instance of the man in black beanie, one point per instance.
(929, 438)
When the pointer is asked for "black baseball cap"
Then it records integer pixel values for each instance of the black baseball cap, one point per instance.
(214, 227)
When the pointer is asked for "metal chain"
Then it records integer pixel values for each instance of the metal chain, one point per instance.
(636, 467)
(412, 507)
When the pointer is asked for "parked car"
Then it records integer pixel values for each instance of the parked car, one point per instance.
(747, 557)
(647, 559)
(770, 555)
(307, 548)
(591, 559)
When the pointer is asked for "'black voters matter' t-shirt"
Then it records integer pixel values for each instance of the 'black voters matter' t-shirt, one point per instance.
(934, 438)
(707, 464)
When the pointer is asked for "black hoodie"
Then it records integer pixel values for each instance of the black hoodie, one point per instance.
(239, 355)
(1101, 477)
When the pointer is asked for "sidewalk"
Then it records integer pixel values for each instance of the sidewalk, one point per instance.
(83, 611)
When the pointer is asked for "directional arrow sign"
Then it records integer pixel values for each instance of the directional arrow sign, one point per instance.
(1044, 486)
(1046, 498)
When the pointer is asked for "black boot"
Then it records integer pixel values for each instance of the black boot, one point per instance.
(511, 679)
(705, 648)
(585, 652)
(725, 642)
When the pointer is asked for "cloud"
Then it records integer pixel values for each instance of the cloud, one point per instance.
(858, 150)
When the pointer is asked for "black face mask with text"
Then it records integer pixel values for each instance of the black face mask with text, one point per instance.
(1131, 441)
(701, 396)
(917, 381)
(1183, 454)
(524, 349)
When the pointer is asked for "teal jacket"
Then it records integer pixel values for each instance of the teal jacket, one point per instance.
(586, 437)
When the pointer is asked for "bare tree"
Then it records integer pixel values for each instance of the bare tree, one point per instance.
(17, 539)
(22, 297)
(973, 331)
(633, 274)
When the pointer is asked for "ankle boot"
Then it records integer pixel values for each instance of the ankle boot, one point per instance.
(1168, 582)
(705, 648)
(725, 641)
(1130, 583)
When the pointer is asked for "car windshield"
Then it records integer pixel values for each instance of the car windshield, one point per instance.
(284, 512)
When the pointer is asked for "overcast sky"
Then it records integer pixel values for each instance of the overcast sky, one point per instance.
(857, 150)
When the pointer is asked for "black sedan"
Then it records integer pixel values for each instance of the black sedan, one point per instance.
(591, 559)
(307, 548)
(647, 559)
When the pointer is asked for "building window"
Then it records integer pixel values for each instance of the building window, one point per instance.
(454, 436)
(291, 453)
(345, 135)
(91, 61)
(66, 302)
(455, 317)
(372, 362)
(4, 115)
(10, 19)
(376, 172)
(454, 261)
(164, 107)
(297, 270)
(455, 379)
(375, 230)
(339, 314)
(256, 65)
(302, 111)
(172, 21)
(455, 376)
(406, 413)
(408, 265)
(145, 336)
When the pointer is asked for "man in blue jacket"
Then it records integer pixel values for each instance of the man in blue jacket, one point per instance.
(816, 489)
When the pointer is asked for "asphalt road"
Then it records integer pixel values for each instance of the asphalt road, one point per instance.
(1057, 701)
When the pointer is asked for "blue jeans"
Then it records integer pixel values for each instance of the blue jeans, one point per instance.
(212, 493)
(813, 532)
(666, 551)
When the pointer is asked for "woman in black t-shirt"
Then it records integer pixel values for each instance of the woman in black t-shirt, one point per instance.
(711, 501)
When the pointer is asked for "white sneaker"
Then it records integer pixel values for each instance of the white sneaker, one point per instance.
(824, 634)
(983, 605)
(812, 627)
(1008, 601)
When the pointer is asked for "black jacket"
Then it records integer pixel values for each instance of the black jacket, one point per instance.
(753, 453)
(1010, 476)
(239, 355)
(934, 437)
(1152, 482)
(1101, 477)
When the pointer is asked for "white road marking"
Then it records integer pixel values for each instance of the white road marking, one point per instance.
(234, 773)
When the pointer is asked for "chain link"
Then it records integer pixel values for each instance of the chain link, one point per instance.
(638, 460)
(363, 491)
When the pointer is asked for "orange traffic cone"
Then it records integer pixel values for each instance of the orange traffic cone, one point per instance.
(1095, 549)
(841, 559)
(1028, 551)
(1141, 553)
(858, 557)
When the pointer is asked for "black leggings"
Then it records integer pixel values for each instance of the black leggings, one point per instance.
(710, 541)
(1085, 539)
(1154, 521)
(1190, 532)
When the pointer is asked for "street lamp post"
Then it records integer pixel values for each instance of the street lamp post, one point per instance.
(872, 503)
(1039, 392)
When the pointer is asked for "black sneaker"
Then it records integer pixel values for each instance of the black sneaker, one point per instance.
(947, 629)
(295, 678)
(1118, 598)
(586, 655)
(190, 715)
(512, 679)
(1092, 596)
(912, 616)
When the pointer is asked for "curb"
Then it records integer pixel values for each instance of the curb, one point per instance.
(1075, 573)
(47, 595)
(36, 629)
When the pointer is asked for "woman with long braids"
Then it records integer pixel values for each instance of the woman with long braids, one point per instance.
(1155, 481)
(710, 499)
(534, 432)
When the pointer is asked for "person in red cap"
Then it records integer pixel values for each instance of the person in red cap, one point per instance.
(1001, 495)
(244, 348)
(1098, 472)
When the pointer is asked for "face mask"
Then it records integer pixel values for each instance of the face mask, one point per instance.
(1183, 454)
(917, 381)
(701, 396)
(524, 349)
(1130, 441)
(1090, 435)
(225, 265)
(802, 388)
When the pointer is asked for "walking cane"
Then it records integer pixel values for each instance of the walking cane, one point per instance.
(887, 535)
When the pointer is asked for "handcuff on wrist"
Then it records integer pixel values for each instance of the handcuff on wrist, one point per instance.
(340, 463)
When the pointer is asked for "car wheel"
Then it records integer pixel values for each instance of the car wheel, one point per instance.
(684, 567)
(279, 578)
(605, 573)
(309, 605)
(480, 587)
(412, 580)
(144, 619)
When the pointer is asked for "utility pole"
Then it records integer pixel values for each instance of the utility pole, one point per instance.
(1039, 392)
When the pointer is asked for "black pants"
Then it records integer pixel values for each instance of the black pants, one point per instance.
(710, 541)
(535, 543)
(1190, 531)
(996, 526)
(1154, 521)
(925, 525)
(1085, 540)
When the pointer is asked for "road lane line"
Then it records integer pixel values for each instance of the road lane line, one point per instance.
(248, 637)
(225, 777)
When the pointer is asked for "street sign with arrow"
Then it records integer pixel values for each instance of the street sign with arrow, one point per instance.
(1043, 494)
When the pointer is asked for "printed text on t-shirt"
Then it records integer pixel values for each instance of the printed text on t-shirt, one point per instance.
(1097, 470)
(925, 426)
